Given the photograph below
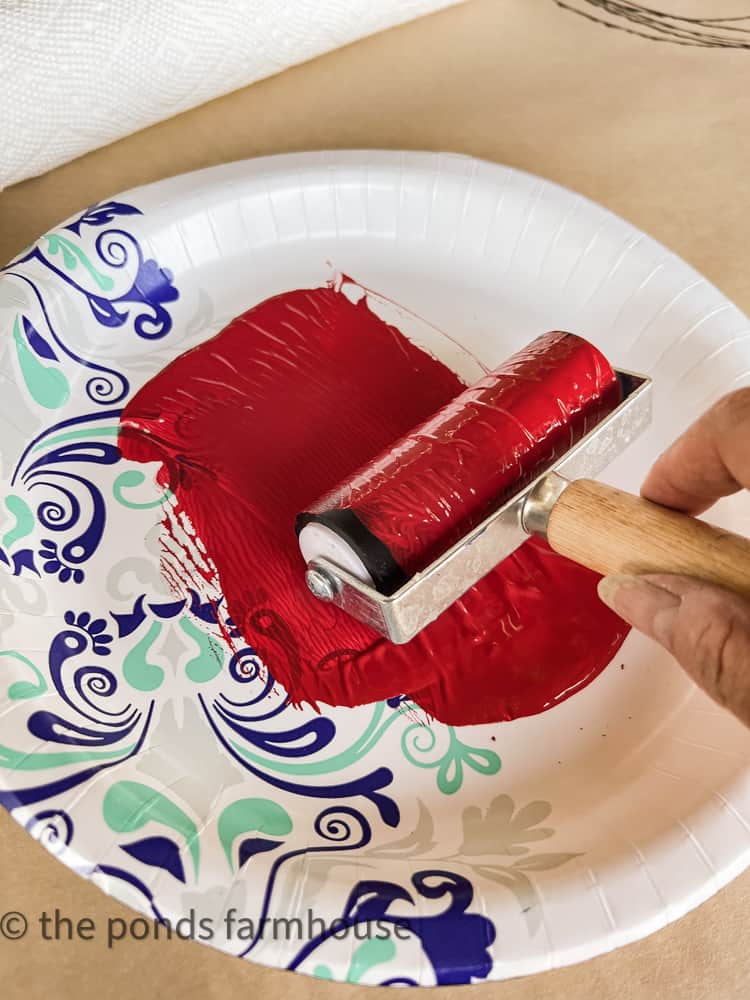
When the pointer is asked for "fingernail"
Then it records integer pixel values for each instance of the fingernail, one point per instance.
(647, 607)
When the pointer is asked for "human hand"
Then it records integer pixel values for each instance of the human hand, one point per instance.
(706, 628)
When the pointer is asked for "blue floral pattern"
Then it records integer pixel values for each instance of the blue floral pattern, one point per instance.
(112, 676)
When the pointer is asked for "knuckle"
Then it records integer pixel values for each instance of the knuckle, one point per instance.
(716, 648)
(733, 410)
(712, 643)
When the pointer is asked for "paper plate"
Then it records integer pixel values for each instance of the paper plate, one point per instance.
(358, 845)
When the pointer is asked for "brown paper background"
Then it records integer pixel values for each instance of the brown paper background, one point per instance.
(655, 131)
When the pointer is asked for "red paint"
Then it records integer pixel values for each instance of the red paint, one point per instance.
(297, 394)
(429, 489)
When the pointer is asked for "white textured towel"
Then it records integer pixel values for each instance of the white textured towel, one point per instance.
(77, 74)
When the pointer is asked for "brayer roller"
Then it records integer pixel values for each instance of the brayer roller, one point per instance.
(514, 455)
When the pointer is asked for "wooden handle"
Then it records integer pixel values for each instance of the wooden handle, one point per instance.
(615, 532)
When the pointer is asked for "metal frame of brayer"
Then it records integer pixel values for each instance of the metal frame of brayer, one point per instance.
(400, 616)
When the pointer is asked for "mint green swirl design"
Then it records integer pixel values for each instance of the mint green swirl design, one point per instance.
(127, 481)
(252, 815)
(359, 749)
(23, 520)
(420, 740)
(19, 690)
(19, 760)
(129, 805)
(48, 386)
(210, 659)
(72, 256)
(373, 951)
(137, 671)
(84, 432)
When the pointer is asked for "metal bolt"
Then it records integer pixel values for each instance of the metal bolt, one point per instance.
(320, 584)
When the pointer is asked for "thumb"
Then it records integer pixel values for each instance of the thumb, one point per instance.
(706, 628)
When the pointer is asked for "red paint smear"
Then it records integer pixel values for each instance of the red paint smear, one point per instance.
(433, 486)
(297, 394)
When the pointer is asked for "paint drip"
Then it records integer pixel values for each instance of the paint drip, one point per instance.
(298, 394)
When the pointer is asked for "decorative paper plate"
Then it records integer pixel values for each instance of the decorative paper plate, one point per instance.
(503, 849)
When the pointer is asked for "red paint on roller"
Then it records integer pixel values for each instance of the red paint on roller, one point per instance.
(429, 489)
(297, 394)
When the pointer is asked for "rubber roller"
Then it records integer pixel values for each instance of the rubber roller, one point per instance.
(411, 532)
(393, 517)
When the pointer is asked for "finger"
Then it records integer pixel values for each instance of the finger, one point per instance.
(710, 460)
(706, 629)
